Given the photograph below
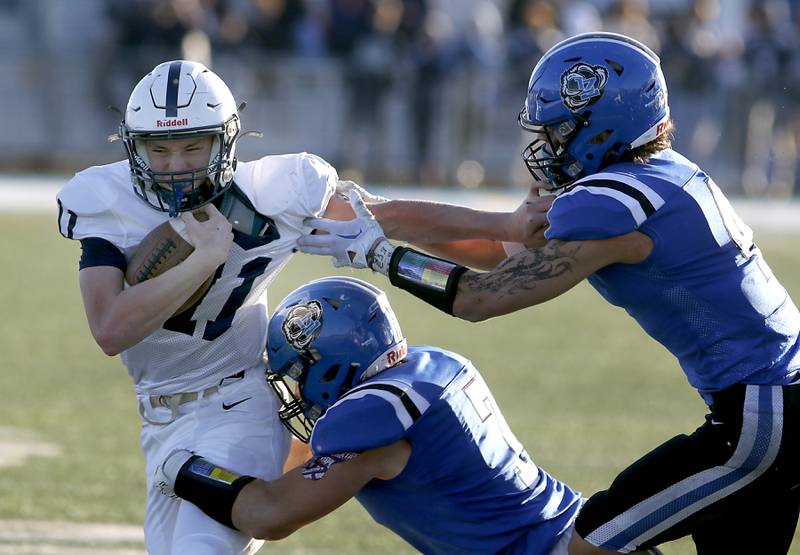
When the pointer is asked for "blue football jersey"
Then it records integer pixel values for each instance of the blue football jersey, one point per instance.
(469, 485)
(705, 292)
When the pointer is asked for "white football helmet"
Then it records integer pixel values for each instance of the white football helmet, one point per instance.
(179, 100)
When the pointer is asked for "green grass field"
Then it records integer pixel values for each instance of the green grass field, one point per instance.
(581, 385)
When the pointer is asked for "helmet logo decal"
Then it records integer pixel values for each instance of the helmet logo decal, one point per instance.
(171, 122)
(582, 84)
(302, 324)
(140, 161)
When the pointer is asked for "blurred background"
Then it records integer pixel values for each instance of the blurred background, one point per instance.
(415, 98)
(398, 91)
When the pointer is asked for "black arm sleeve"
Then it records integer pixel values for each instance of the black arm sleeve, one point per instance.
(211, 488)
(434, 280)
(101, 252)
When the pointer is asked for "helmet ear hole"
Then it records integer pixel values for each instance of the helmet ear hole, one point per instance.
(330, 374)
(600, 138)
(614, 154)
(618, 69)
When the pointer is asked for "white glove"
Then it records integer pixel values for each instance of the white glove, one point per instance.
(167, 471)
(348, 242)
(343, 189)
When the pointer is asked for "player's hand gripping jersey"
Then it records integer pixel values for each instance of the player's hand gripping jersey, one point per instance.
(705, 292)
(445, 501)
(226, 328)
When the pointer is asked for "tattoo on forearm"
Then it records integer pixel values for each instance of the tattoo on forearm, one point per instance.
(525, 269)
(316, 468)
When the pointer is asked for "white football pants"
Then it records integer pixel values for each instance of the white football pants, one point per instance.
(247, 438)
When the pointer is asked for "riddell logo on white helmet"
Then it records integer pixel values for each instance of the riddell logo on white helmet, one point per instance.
(172, 122)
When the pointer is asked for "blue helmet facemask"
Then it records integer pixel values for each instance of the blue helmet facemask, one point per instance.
(591, 98)
(325, 338)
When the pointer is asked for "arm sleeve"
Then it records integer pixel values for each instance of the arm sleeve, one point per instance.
(100, 252)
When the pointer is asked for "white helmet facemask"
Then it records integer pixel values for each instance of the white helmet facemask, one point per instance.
(181, 100)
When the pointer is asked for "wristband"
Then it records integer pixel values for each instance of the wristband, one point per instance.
(212, 488)
(434, 280)
(380, 257)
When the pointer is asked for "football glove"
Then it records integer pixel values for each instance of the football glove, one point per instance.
(348, 242)
(343, 189)
(167, 471)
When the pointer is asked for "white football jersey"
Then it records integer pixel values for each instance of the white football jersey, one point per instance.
(225, 332)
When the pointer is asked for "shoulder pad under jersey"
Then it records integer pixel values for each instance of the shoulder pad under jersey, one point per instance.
(292, 184)
(372, 415)
(600, 206)
(88, 203)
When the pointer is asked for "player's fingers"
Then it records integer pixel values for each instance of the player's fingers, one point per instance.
(310, 249)
(323, 224)
(189, 220)
(546, 202)
(213, 215)
(358, 205)
(211, 210)
(316, 240)
(201, 214)
(216, 220)
(539, 204)
(204, 213)
(345, 186)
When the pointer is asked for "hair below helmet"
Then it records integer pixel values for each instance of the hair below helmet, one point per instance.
(591, 98)
(326, 337)
(181, 100)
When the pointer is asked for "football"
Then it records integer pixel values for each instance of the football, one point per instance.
(161, 249)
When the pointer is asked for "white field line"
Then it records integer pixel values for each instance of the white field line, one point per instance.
(17, 445)
(29, 537)
(56, 530)
(16, 453)
(39, 537)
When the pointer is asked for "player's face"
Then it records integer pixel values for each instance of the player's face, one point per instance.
(179, 156)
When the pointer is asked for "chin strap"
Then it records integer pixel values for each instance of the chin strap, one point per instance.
(174, 206)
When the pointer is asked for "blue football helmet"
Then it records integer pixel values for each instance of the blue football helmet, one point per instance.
(328, 336)
(591, 98)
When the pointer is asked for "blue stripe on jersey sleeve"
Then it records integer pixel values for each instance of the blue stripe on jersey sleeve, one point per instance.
(357, 424)
(583, 216)
(66, 229)
(100, 252)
